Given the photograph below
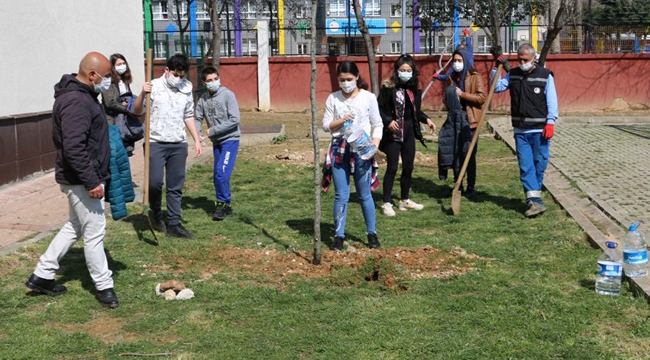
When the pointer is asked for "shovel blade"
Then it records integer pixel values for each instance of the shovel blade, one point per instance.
(455, 201)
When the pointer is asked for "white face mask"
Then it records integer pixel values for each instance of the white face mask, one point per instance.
(405, 75)
(213, 86)
(525, 67)
(121, 69)
(104, 85)
(458, 66)
(172, 80)
(348, 86)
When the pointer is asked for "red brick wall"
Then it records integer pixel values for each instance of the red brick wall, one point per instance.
(583, 82)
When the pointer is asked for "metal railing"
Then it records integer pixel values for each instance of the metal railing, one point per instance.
(576, 39)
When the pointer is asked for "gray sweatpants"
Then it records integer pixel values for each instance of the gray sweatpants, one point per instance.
(167, 160)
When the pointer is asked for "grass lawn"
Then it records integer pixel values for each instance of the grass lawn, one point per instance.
(486, 284)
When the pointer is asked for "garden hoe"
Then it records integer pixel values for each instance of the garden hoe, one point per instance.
(455, 195)
(147, 123)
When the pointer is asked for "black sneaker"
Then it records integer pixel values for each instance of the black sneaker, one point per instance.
(107, 298)
(45, 286)
(373, 242)
(159, 222)
(178, 231)
(470, 193)
(223, 211)
(338, 243)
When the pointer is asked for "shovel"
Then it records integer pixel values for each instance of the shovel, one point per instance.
(147, 123)
(455, 195)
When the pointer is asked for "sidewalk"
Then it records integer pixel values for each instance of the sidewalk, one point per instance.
(31, 209)
(597, 173)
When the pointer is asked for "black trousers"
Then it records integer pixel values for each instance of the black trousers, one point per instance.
(393, 151)
(471, 165)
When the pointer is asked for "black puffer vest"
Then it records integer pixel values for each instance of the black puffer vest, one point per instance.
(527, 97)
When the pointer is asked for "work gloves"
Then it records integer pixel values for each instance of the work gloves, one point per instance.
(466, 32)
(547, 133)
(504, 61)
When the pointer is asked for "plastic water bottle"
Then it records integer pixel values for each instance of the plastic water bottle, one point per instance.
(635, 253)
(361, 143)
(610, 271)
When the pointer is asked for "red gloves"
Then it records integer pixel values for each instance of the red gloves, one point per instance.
(547, 133)
(466, 32)
(435, 76)
(502, 59)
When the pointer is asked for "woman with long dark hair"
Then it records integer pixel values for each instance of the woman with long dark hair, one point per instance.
(114, 98)
(352, 107)
(399, 105)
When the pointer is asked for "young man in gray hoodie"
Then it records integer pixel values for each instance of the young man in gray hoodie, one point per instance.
(218, 106)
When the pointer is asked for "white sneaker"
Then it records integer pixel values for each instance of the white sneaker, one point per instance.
(387, 209)
(409, 205)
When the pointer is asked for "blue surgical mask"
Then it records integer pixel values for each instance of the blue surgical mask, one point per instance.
(405, 75)
(213, 86)
(103, 86)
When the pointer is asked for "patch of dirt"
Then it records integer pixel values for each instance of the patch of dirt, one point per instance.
(109, 330)
(390, 265)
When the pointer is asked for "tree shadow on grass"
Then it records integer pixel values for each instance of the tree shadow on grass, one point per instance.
(443, 192)
(73, 267)
(306, 227)
(247, 220)
(201, 202)
(141, 226)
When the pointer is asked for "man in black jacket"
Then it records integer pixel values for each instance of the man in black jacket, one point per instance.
(80, 134)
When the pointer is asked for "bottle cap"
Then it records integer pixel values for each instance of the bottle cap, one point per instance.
(611, 245)
(634, 226)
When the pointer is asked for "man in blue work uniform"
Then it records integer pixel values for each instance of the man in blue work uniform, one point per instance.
(534, 110)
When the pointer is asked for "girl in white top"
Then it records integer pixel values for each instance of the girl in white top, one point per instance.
(354, 105)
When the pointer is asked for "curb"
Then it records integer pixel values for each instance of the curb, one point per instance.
(590, 216)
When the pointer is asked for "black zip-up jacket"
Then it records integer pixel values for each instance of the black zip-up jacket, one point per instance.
(80, 134)
(527, 98)
(387, 105)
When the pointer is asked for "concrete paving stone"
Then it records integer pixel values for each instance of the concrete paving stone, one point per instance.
(10, 236)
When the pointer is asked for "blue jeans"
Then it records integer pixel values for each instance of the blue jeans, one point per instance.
(532, 154)
(225, 155)
(362, 181)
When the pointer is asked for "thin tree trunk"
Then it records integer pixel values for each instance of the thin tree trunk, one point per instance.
(494, 33)
(555, 13)
(216, 33)
(314, 136)
(370, 50)
(554, 28)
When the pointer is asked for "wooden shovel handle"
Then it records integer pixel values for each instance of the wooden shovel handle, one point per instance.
(147, 125)
(478, 128)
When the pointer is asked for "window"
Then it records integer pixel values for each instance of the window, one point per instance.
(248, 10)
(445, 44)
(182, 8)
(160, 49)
(372, 7)
(202, 10)
(483, 45)
(265, 11)
(303, 49)
(224, 47)
(337, 8)
(302, 12)
(395, 47)
(249, 47)
(395, 10)
(159, 10)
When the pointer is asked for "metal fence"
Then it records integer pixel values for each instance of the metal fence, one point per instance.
(578, 39)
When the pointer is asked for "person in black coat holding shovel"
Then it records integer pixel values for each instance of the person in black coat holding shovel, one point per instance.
(399, 106)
